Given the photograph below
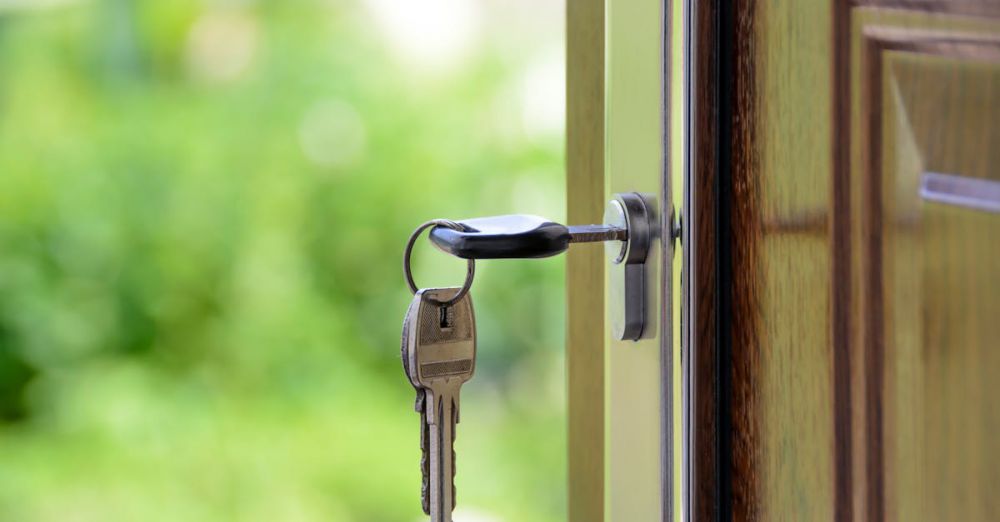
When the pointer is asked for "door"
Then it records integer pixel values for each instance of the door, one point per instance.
(845, 240)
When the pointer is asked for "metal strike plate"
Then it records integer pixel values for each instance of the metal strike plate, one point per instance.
(627, 296)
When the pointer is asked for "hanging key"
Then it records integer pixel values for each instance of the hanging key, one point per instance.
(439, 356)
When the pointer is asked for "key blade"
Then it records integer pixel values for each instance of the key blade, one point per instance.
(442, 453)
(596, 233)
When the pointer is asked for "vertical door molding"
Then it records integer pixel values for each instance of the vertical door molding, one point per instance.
(585, 263)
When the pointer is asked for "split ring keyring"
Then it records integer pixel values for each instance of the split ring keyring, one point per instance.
(470, 272)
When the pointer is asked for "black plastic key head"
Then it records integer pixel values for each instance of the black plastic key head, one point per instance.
(503, 237)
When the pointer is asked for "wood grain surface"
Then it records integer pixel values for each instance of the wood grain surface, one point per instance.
(841, 328)
(701, 271)
(925, 95)
(585, 263)
(767, 401)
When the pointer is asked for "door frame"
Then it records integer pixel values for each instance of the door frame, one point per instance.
(623, 397)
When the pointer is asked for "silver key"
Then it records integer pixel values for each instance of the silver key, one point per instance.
(439, 349)
(418, 405)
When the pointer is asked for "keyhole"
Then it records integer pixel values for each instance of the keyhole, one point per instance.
(444, 318)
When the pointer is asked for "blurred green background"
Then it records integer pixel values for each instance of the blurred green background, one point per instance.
(202, 212)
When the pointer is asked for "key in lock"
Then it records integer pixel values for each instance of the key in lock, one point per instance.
(630, 227)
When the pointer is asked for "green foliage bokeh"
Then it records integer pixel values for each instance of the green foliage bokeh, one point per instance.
(202, 214)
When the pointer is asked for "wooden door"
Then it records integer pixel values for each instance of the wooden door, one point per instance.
(844, 342)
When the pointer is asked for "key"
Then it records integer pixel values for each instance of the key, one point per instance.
(518, 236)
(439, 349)
(418, 405)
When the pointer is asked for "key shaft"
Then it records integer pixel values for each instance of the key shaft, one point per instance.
(442, 454)
(596, 233)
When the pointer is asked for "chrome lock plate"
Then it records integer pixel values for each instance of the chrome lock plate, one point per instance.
(627, 292)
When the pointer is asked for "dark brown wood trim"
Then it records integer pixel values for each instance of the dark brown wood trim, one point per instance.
(740, 278)
(841, 279)
(703, 204)
(873, 341)
(967, 7)
(726, 204)
(970, 46)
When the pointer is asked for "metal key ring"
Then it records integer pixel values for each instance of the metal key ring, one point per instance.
(470, 273)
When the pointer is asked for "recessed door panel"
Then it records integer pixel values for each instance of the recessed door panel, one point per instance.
(930, 148)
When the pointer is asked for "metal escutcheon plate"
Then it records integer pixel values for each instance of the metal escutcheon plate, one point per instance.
(627, 290)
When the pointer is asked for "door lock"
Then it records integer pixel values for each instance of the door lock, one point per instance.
(629, 228)
(627, 292)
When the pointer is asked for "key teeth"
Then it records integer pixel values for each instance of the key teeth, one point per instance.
(454, 467)
(425, 463)
(425, 485)
(454, 491)
(418, 403)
